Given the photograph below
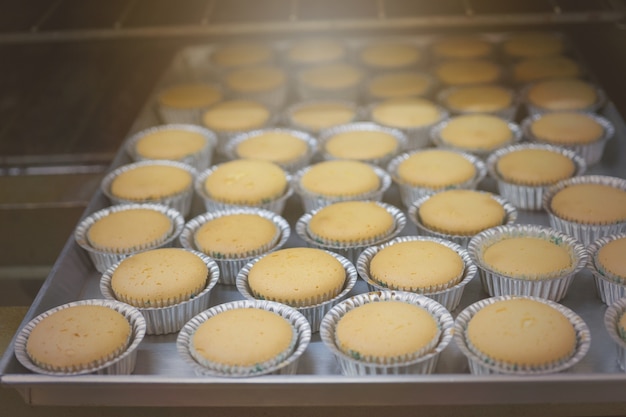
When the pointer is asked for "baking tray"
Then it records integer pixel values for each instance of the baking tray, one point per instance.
(161, 378)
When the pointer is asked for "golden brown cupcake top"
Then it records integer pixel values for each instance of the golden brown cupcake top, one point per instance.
(389, 55)
(172, 144)
(151, 182)
(479, 99)
(533, 44)
(320, 115)
(362, 145)
(468, 71)
(590, 204)
(256, 79)
(274, 146)
(236, 115)
(610, 258)
(567, 128)
(476, 132)
(535, 167)
(406, 113)
(435, 168)
(562, 94)
(339, 178)
(399, 84)
(190, 96)
(533, 69)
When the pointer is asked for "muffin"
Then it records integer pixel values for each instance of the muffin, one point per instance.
(562, 94)
(160, 182)
(487, 99)
(467, 72)
(83, 337)
(533, 44)
(607, 266)
(526, 260)
(364, 142)
(584, 133)
(387, 333)
(314, 116)
(525, 171)
(615, 325)
(389, 55)
(243, 339)
(266, 84)
(427, 171)
(534, 69)
(331, 181)
(234, 237)
(290, 149)
(413, 116)
(587, 207)
(189, 144)
(308, 279)
(314, 51)
(337, 81)
(111, 234)
(185, 103)
(399, 84)
(552, 338)
(241, 54)
(244, 182)
(461, 47)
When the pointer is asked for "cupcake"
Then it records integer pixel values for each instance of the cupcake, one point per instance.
(331, 181)
(111, 234)
(336, 81)
(552, 338)
(491, 99)
(241, 54)
(244, 182)
(314, 116)
(189, 144)
(534, 69)
(244, 339)
(459, 72)
(387, 333)
(290, 149)
(308, 279)
(424, 172)
(607, 266)
(265, 84)
(347, 227)
(527, 260)
(436, 268)
(168, 286)
(584, 133)
(479, 134)
(158, 182)
(234, 237)
(457, 215)
(587, 207)
(364, 142)
(314, 51)
(615, 325)
(525, 171)
(462, 47)
(389, 55)
(83, 337)
(413, 116)
(185, 103)
(399, 84)
(533, 44)
(562, 94)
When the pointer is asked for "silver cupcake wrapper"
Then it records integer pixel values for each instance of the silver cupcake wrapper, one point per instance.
(585, 233)
(535, 110)
(410, 193)
(287, 366)
(510, 216)
(229, 268)
(350, 250)
(609, 288)
(590, 152)
(102, 259)
(351, 92)
(416, 137)
(552, 287)
(480, 365)
(424, 364)
(169, 319)
(508, 113)
(435, 136)
(431, 85)
(200, 160)
(175, 115)
(231, 147)
(612, 316)
(528, 197)
(312, 201)
(123, 364)
(449, 297)
(313, 313)
(180, 201)
(327, 134)
(288, 113)
(276, 205)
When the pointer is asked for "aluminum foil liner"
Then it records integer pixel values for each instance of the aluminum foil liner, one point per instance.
(229, 268)
(410, 193)
(535, 110)
(327, 134)
(552, 288)
(103, 260)
(313, 313)
(123, 364)
(350, 250)
(422, 365)
(181, 201)
(435, 136)
(528, 197)
(288, 119)
(312, 201)
(585, 233)
(174, 115)
(448, 297)
(507, 113)
(291, 166)
(372, 97)
(170, 319)
(199, 161)
(611, 320)
(276, 205)
(609, 290)
(478, 366)
(509, 218)
(591, 152)
(288, 366)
